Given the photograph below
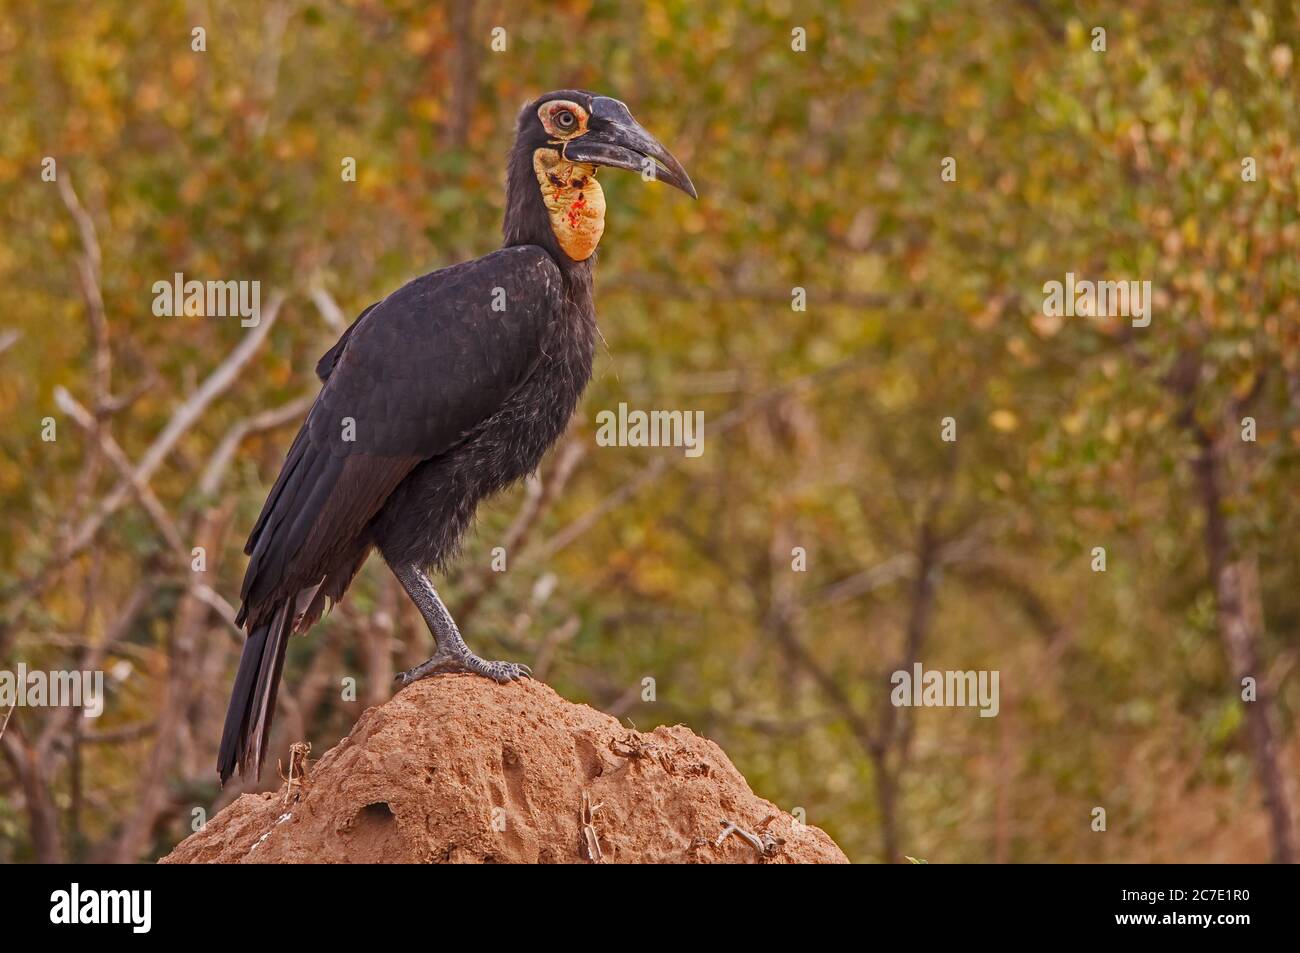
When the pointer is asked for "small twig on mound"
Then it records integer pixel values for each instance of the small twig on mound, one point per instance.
(298, 752)
(635, 747)
(765, 843)
(632, 746)
(590, 839)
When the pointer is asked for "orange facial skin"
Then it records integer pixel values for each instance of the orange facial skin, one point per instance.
(549, 113)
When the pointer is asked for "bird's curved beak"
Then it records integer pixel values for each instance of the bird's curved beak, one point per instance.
(615, 139)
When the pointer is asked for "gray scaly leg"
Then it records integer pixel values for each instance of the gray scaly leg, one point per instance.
(452, 654)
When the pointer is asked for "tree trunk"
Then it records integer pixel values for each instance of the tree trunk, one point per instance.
(1240, 618)
(42, 815)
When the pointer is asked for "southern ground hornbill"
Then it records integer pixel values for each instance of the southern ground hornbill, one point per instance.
(441, 394)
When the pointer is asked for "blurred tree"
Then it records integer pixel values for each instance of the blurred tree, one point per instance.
(822, 170)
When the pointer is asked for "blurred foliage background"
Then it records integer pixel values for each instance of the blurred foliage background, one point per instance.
(817, 169)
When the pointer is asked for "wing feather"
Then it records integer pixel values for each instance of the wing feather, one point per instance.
(406, 382)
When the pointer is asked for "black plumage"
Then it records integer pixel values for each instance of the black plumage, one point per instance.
(446, 391)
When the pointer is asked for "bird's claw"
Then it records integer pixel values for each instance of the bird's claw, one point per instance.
(503, 672)
(440, 664)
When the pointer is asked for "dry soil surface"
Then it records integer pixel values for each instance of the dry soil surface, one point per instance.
(456, 768)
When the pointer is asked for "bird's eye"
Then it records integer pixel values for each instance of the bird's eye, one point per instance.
(565, 119)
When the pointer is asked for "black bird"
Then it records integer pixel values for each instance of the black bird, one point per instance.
(443, 393)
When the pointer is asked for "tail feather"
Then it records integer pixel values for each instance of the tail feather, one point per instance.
(252, 702)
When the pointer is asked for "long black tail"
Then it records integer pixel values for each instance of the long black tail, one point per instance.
(252, 702)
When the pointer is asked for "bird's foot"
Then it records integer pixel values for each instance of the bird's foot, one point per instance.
(442, 663)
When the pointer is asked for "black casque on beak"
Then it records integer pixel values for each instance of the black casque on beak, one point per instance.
(615, 139)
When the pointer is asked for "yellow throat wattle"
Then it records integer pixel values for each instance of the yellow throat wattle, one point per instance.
(573, 200)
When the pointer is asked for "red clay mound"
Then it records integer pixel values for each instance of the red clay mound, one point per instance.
(459, 769)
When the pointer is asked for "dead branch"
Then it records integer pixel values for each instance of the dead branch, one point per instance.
(182, 419)
(765, 844)
(158, 514)
(329, 308)
(90, 265)
(590, 844)
(126, 617)
(33, 777)
(117, 456)
(215, 471)
(298, 752)
(5, 723)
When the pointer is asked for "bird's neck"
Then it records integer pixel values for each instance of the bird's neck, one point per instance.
(575, 203)
(556, 204)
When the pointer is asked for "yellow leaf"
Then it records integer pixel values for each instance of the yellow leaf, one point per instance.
(1004, 420)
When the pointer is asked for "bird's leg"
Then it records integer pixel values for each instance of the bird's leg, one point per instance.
(452, 654)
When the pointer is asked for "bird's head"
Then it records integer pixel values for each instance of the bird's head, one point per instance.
(561, 141)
